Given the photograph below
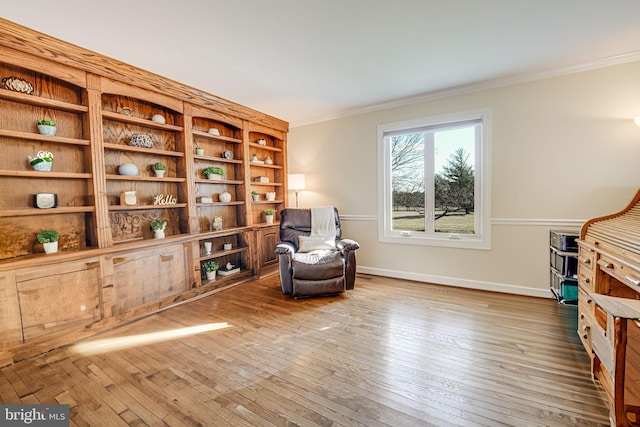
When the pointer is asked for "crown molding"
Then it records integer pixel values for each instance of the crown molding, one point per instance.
(474, 87)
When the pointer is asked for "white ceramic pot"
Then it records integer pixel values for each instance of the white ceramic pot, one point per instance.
(214, 177)
(128, 169)
(158, 234)
(199, 151)
(271, 195)
(269, 219)
(50, 248)
(159, 173)
(227, 246)
(255, 197)
(224, 197)
(42, 166)
(214, 131)
(47, 130)
(211, 275)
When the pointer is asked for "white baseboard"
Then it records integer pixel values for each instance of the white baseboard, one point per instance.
(458, 282)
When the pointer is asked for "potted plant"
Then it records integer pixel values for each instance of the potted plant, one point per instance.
(226, 246)
(255, 196)
(213, 172)
(268, 214)
(49, 239)
(47, 127)
(210, 267)
(199, 150)
(42, 162)
(254, 157)
(158, 169)
(158, 226)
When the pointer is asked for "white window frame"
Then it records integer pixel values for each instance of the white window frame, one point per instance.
(481, 239)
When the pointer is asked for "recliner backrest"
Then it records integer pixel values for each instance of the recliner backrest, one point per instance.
(296, 222)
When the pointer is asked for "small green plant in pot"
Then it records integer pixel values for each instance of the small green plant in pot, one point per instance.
(159, 169)
(49, 240)
(213, 172)
(199, 151)
(210, 268)
(268, 214)
(255, 196)
(158, 226)
(47, 127)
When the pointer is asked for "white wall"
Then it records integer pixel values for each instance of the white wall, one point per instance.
(564, 149)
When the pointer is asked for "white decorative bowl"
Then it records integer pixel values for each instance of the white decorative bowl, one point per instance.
(128, 169)
(158, 118)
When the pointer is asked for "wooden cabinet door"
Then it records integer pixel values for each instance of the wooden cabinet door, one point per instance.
(145, 277)
(58, 298)
(267, 240)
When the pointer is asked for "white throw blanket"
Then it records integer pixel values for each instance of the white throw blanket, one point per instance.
(323, 223)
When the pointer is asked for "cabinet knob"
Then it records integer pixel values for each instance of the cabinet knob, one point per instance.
(586, 261)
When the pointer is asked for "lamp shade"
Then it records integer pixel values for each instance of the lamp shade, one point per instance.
(296, 181)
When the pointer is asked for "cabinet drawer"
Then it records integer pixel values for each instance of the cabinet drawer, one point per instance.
(585, 279)
(624, 273)
(586, 258)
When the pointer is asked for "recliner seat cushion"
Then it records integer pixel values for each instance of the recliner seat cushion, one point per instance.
(305, 265)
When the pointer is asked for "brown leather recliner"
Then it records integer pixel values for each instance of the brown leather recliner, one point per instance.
(317, 272)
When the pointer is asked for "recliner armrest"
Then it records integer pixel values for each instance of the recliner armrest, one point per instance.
(284, 248)
(346, 245)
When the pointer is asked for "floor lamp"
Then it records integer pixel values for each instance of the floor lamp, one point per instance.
(296, 183)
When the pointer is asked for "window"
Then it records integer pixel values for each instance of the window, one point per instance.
(434, 186)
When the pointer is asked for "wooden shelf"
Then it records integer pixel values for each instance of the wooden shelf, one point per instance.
(213, 181)
(267, 184)
(114, 177)
(44, 175)
(204, 205)
(220, 138)
(218, 159)
(221, 233)
(45, 138)
(260, 165)
(145, 207)
(265, 147)
(110, 115)
(122, 147)
(23, 98)
(223, 253)
(15, 212)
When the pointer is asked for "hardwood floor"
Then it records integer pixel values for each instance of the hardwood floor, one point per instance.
(388, 353)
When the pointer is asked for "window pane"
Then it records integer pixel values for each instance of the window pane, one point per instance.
(407, 182)
(454, 180)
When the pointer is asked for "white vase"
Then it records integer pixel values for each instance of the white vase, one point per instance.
(207, 248)
(159, 173)
(227, 246)
(255, 197)
(158, 234)
(269, 219)
(199, 151)
(211, 275)
(224, 197)
(50, 248)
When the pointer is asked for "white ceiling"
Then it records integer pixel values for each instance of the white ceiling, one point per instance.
(306, 61)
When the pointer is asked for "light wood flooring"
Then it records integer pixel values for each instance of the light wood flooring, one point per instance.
(388, 353)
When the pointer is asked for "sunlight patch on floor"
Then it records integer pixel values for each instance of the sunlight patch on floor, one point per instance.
(120, 343)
